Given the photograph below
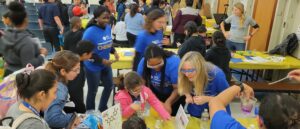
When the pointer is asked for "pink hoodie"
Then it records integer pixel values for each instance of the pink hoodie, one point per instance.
(125, 100)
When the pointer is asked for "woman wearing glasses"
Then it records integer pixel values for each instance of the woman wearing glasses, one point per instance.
(159, 70)
(199, 81)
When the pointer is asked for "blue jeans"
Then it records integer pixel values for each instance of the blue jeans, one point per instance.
(93, 80)
(234, 46)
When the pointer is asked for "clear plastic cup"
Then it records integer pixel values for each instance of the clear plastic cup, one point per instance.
(247, 104)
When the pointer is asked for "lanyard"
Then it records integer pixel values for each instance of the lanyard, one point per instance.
(31, 108)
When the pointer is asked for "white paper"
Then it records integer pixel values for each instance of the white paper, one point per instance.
(181, 118)
(112, 118)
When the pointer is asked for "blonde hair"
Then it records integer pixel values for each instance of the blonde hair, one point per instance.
(240, 6)
(202, 67)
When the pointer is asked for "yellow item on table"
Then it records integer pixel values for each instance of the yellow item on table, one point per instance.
(194, 123)
(287, 63)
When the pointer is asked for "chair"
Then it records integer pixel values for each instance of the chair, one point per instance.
(33, 25)
(38, 33)
(33, 17)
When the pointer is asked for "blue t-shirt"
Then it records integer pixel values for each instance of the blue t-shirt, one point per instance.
(47, 12)
(171, 74)
(222, 120)
(102, 40)
(144, 39)
(214, 87)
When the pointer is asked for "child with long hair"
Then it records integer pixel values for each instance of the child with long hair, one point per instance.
(134, 91)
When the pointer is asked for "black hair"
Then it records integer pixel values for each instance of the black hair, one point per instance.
(121, 1)
(134, 122)
(191, 28)
(97, 12)
(30, 84)
(189, 3)
(84, 46)
(6, 14)
(280, 111)
(154, 51)
(155, 3)
(219, 39)
(202, 29)
(134, 8)
(17, 13)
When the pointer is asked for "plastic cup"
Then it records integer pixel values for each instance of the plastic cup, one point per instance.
(247, 104)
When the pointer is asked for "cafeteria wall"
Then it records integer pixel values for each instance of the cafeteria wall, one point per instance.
(286, 21)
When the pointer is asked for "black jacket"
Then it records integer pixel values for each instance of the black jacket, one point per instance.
(220, 56)
(193, 43)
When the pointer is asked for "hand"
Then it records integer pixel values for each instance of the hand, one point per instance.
(199, 100)
(247, 38)
(168, 107)
(227, 35)
(165, 41)
(107, 62)
(295, 74)
(117, 57)
(77, 121)
(136, 107)
(188, 99)
(44, 51)
(248, 92)
(61, 31)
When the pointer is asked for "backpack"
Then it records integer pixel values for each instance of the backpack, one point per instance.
(8, 90)
(15, 124)
(287, 46)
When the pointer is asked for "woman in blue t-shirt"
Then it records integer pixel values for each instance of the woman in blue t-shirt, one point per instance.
(276, 111)
(152, 34)
(159, 70)
(99, 33)
(199, 81)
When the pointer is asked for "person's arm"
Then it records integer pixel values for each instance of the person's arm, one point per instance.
(224, 98)
(156, 104)
(41, 24)
(40, 18)
(255, 27)
(295, 74)
(57, 20)
(54, 115)
(127, 111)
(173, 97)
(59, 24)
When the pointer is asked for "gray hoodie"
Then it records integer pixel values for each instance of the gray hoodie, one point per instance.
(19, 48)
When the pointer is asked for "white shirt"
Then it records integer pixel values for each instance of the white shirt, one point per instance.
(120, 31)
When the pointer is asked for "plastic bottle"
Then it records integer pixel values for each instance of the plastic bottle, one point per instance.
(204, 120)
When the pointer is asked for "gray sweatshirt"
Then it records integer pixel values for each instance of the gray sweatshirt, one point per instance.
(19, 47)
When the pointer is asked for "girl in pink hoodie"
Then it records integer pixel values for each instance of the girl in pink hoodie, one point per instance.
(133, 92)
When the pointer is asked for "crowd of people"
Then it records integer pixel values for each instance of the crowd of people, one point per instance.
(199, 76)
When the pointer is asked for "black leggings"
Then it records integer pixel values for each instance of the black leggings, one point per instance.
(51, 36)
(131, 39)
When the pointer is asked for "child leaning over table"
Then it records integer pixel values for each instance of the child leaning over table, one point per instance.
(134, 91)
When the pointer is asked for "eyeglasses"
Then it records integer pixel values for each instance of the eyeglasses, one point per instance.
(155, 66)
(188, 70)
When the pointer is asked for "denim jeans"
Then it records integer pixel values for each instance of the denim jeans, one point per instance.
(234, 46)
(93, 80)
